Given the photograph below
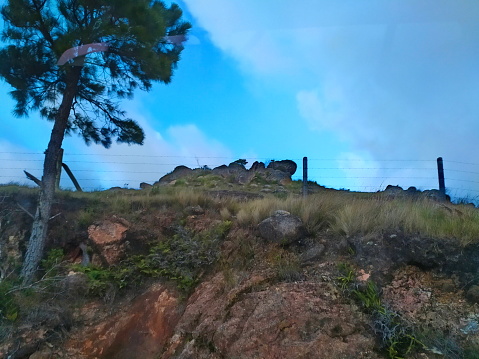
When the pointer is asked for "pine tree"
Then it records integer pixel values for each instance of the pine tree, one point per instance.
(135, 36)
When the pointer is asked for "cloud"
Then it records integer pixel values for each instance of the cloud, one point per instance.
(396, 80)
(121, 165)
(15, 159)
(128, 165)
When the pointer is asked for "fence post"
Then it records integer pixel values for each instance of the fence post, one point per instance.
(305, 176)
(72, 177)
(440, 175)
(59, 168)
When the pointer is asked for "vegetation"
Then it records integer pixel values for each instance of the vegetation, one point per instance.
(184, 254)
(131, 51)
(396, 336)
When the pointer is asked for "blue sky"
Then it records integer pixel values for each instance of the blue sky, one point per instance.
(371, 91)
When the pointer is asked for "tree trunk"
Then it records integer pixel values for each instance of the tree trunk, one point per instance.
(40, 224)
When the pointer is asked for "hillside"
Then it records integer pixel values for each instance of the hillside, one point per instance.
(229, 263)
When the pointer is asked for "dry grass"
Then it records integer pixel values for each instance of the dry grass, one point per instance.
(315, 211)
(352, 214)
(342, 213)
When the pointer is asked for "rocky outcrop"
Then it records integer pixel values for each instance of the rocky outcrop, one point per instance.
(234, 173)
(287, 166)
(277, 171)
(108, 239)
(255, 320)
(282, 227)
(413, 192)
(178, 172)
(140, 331)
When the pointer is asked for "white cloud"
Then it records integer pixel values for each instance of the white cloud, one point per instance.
(121, 165)
(15, 159)
(127, 166)
(394, 79)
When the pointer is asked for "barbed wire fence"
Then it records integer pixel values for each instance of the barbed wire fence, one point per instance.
(99, 172)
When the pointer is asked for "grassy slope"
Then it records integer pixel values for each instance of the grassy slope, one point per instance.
(337, 213)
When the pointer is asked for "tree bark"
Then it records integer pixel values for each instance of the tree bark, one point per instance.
(38, 235)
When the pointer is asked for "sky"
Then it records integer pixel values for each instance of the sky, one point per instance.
(371, 91)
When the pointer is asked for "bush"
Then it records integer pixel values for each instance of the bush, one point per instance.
(183, 257)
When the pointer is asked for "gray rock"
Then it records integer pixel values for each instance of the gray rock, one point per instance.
(178, 172)
(286, 166)
(282, 227)
(257, 166)
(473, 294)
(313, 253)
(144, 185)
(194, 210)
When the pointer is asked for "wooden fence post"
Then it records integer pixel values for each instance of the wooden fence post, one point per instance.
(440, 175)
(305, 176)
(72, 177)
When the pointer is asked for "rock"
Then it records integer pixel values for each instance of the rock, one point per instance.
(108, 238)
(257, 166)
(436, 195)
(141, 331)
(256, 320)
(313, 254)
(42, 354)
(286, 166)
(282, 227)
(393, 190)
(472, 294)
(388, 252)
(74, 284)
(144, 185)
(178, 172)
(194, 210)
(234, 173)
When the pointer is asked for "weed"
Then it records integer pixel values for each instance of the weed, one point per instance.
(286, 264)
(51, 264)
(180, 183)
(101, 280)
(397, 338)
(183, 257)
(369, 297)
(9, 307)
(346, 277)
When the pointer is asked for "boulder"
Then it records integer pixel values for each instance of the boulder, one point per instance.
(257, 166)
(234, 173)
(144, 185)
(286, 166)
(282, 227)
(108, 238)
(178, 172)
(313, 254)
(472, 294)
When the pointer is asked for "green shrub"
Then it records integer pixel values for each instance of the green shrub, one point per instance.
(9, 308)
(183, 257)
(51, 264)
(397, 338)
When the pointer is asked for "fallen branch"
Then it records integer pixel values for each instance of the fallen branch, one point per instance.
(25, 210)
(33, 178)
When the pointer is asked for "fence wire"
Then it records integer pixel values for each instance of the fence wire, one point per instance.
(129, 170)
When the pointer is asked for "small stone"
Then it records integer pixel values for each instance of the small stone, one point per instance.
(473, 294)
(313, 254)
